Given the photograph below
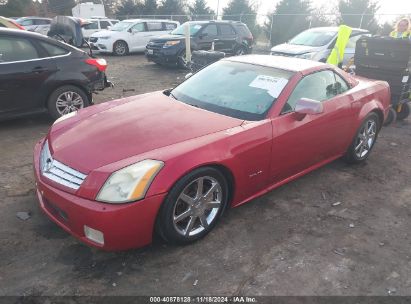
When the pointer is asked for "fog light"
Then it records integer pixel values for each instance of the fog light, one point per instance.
(94, 235)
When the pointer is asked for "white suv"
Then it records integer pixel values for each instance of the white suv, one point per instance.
(96, 25)
(130, 36)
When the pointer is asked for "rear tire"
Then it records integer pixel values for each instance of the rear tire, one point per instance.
(120, 48)
(241, 50)
(66, 99)
(405, 111)
(188, 214)
(364, 140)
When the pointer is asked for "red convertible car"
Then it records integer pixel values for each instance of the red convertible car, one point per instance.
(171, 162)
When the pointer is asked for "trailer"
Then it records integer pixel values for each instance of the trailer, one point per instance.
(88, 10)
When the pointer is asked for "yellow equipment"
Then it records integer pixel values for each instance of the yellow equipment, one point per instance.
(337, 54)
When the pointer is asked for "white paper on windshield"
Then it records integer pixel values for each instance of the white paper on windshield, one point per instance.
(273, 85)
(197, 26)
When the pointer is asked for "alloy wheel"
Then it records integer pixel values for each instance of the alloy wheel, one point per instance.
(365, 139)
(69, 102)
(197, 206)
(120, 48)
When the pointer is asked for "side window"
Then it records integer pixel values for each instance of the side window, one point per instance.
(27, 22)
(210, 30)
(154, 26)
(226, 30)
(53, 50)
(41, 22)
(139, 27)
(104, 24)
(340, 86)
(169, 26)
(16, 49)
(317, 86)
(91, 26)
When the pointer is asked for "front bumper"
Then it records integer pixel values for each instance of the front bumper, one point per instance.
(124, 226)
(168, 56)
(102, 46)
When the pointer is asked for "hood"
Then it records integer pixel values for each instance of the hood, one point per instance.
(293, 49)
(103, 33)
(167, 37)
(142, 124)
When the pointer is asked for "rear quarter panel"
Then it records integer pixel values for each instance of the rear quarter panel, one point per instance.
(370, 95)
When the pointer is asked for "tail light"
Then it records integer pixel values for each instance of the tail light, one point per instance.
(100, 64)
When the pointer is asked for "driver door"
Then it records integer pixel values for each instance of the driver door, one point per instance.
(301, 142)
(208, 34)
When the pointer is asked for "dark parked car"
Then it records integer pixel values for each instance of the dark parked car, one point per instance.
(231, 37)
(38, 73)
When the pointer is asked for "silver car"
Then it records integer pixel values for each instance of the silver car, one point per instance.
(317, 43)
(35, 24)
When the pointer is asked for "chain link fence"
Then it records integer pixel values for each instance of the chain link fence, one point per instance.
(265, 23)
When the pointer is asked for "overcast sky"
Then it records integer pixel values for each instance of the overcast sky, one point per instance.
(386, 6)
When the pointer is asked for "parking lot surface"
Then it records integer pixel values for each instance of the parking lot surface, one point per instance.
(341, 230)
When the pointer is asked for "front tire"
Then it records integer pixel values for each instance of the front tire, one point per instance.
(193, 206)
(120, 48)
(67, 99)
(181, 60)
(364, 140)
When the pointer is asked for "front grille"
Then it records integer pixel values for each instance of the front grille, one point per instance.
(93, 39)
(155, 45)
(59, 172)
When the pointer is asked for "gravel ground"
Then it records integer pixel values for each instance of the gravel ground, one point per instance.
(341, 230)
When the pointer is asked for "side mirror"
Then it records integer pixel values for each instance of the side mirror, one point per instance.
(307, 106)
(202, 35)
(188, 76)
(108, 27)
(167, 91)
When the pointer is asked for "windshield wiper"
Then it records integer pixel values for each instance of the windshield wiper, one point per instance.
(172, 95)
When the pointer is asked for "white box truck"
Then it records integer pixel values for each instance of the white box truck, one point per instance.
(88, 10)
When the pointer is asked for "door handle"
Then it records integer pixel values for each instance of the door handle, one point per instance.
(39, 70)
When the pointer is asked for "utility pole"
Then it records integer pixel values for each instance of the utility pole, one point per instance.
(218, 7)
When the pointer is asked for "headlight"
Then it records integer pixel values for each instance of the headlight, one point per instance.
(171, 43)
(64, 117)
(104, 38)
(307, 55)
(130, 183)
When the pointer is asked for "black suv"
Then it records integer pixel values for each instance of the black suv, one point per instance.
(230, 37)
(39, 74)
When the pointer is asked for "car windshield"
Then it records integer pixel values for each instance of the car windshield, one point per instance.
(194, 28)
(313, 38)
(121, 26)
(235, 89)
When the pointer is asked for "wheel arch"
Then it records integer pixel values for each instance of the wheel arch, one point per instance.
(374, 106)
(74, 84)
(122, 40)
(380, 114)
